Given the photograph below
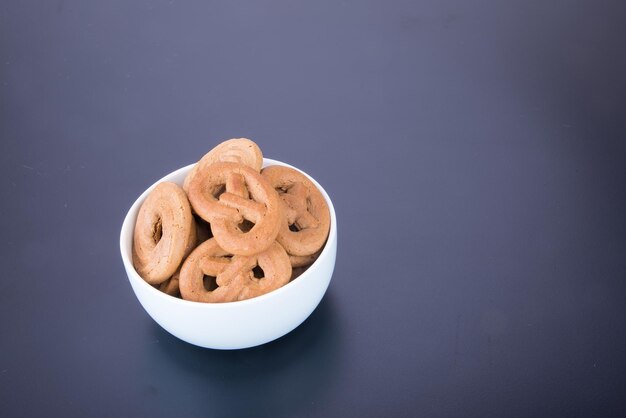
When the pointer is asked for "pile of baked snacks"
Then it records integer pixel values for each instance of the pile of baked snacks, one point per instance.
(234, 231)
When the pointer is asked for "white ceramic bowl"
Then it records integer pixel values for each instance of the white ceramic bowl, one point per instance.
(240, 324)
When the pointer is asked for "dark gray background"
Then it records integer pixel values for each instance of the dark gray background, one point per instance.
(475, 152)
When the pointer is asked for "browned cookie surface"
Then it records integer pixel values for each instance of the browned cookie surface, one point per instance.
(228, 194)
(163, 233)
(208, 259)
(237, 150)
(232, 278)
(170, 286)
(304, 260)
(306, 224)
(270, 270)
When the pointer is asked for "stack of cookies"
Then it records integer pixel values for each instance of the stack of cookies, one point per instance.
(234, 231)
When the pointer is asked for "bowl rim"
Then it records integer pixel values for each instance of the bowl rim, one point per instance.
(134, 277)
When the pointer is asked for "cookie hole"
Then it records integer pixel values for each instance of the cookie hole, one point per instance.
(210, 283)
(218, 192)
(258, 272)
(157, 231)
(245, 226)
(294, 228)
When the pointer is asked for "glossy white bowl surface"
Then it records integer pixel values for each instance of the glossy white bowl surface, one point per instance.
(240, 324)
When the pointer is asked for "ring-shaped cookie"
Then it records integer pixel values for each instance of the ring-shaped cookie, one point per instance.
(210, 260)
(236, 150)
(234, 276)
(306, 225)
(219, 194)
(164, 232)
